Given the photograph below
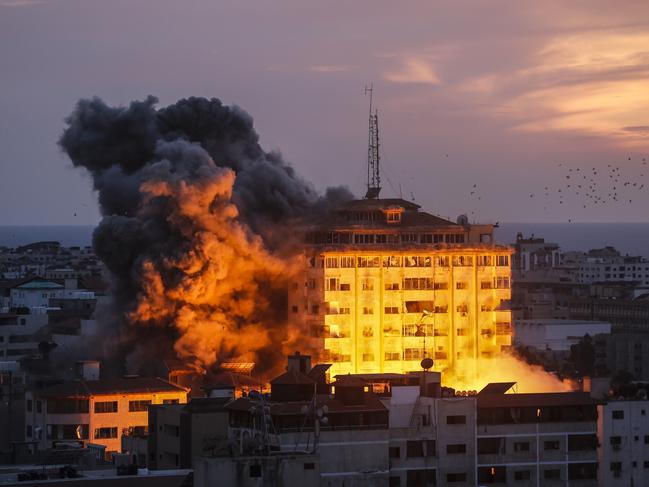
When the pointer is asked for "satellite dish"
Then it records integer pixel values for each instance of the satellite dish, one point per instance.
(427, 363)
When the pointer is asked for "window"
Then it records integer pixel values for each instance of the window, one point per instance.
(29, 405)
(501, 282)
(442, 261)
(417, 261)
(393, 216)
(394, 452)
(456, 448)
(294, 309)
(616, 466)
(646, 440)
(368, 357)
(309, 466)
(39, 406)
(456, 477)
(617, 414)
(414, 449)
(332, 284)
(582, 471)
(171, 430)
(170, 401)
(485, 260)
(310, 284)
(461, 332)
(315, 309)
(391, 261)
(582, 442)
(415, 478)
(391, 286)
(394, 481)
(502, 260)
(522, 475)
(462, 260)
(417, 283)
(457, 419)
(254, 471)
(346, 262)
(551, 445)
(331, 262)
(440, 286)
(461, 285)
(368, 262)
(345, 287)
(367, 284)
(28, 431)
(392, 356)
(391, 310)
(485, 285)
(522, 446)
(368, 310)
(552, 474)
(109, 432)
(491, 446)
(134, 406)
(430, 448)
(409, 238)
(106, 407)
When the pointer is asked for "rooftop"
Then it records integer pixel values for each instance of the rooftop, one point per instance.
(134, 385)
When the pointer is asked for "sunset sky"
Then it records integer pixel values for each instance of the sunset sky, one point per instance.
(507, 96)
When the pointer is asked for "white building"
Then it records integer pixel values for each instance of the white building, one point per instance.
(623, 432)
(556, 335)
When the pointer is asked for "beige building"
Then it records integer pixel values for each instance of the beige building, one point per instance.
(96, 411)
(385, 285)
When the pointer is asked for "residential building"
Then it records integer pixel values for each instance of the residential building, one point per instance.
(556, 336)
(99, 411)
(623, 430)
(542, 439)
(382, 279)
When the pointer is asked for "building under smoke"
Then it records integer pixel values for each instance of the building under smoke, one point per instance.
(385, 285)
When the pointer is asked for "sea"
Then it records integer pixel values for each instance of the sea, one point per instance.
(628, 238)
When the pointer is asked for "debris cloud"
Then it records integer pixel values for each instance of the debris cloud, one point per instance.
(194, 231)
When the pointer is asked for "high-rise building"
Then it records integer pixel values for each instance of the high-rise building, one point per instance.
(385, 285)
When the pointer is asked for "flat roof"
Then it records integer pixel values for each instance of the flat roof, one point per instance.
(134, 385)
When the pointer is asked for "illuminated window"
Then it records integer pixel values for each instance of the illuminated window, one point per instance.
(442, 261)
(346, 262)
(391, 261)
(367, 284)
(502, 261)
(331, 262)
(106, 407)
(109, 432)
(332, 284)
(134, 406)
(368, 262)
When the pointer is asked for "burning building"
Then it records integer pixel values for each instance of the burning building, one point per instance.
(386, 285)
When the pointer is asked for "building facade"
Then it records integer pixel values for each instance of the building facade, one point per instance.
(623, 431)
(385, 285)
(96, 411)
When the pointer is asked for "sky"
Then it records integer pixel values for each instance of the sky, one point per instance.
(482, 104)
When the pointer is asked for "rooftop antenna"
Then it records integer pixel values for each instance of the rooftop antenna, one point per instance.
(373, 176)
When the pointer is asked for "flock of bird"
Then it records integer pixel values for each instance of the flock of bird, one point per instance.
(591, 186)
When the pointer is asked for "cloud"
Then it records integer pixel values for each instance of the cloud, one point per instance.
(329, 68)
(20, 3)
(413, 70)
(642, 129)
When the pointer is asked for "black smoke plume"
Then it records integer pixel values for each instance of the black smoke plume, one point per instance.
(194, 227)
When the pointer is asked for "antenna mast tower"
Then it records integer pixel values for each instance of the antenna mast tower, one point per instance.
(373, 175)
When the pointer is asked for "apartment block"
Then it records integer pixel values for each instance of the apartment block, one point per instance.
(385, 285)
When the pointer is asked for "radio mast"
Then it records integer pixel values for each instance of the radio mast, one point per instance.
(373, 175)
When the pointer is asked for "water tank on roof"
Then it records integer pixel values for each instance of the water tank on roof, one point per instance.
(463, 220)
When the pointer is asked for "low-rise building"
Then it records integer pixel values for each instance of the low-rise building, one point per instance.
(556, 336)
(100, 411)
(542, 439)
